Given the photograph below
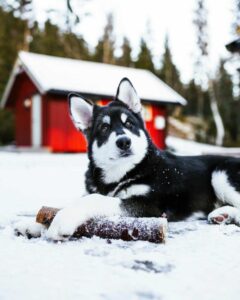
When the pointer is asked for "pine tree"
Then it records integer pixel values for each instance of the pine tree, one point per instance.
(98, 52)
(202, 72)
(125, 59)
(224, 94)
(191, 93)
(6, 127)
(104, 51)
(144, 59)
(22, 9)
(11, 41)
(169, 72)
(75, 47)
(48, 41)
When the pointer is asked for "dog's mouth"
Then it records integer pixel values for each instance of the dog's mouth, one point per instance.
(122, 154)
(125, 153)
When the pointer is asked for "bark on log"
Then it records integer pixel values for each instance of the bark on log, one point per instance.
(124, 228)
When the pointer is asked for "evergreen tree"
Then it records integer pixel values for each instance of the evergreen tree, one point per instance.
(144, 59)
(224, 94)
(169, 72)
(98, 52)
(202, 73)
(125, 59)
(11, 41)
(104, 51)
(52, 42)
(48, 41)
(75, 47)
(6, 127)
(191, 94)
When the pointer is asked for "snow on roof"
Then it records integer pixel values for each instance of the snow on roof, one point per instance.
(71, 75)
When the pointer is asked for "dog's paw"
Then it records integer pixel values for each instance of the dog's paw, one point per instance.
(29, 228)
(225, 215)
(65, 223)
(69, 219)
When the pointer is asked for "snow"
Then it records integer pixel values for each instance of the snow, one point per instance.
(198, 261)
(71, 75)
(188, 147)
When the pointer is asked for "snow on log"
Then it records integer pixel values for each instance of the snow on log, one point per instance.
(124, 228)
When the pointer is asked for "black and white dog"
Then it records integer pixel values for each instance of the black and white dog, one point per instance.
(128, 175)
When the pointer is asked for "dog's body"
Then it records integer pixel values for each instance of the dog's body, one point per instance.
(159, 182)
(137, 179)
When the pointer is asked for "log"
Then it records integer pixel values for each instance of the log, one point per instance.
(124, 228)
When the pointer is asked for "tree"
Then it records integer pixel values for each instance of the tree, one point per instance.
(144, 59)
(75, 46)
(202, 67)
(168, 71)
(191, 93)
(224, 94)
(125, 59)
(104, 51)
(6, 128)
(11, 41)
(22, 9)
(47, 41)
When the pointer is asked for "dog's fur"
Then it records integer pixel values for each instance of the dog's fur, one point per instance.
(138, 179)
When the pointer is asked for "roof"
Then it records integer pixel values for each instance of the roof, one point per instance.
(50, 73)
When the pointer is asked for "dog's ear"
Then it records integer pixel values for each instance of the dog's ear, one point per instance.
(81, 111)
(127, 94)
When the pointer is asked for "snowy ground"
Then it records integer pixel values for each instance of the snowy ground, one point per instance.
(198, 261)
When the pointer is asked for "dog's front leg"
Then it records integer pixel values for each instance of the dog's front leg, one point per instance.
(70, 218)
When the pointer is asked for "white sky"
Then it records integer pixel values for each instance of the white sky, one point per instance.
(133, 17)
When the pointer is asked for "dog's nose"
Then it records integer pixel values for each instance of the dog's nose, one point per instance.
(123, 143)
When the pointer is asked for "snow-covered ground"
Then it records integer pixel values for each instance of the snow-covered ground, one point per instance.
(198, 261)
(187, 147)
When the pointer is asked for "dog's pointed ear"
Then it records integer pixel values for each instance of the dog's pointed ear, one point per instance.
(127, 94)
(81, 111)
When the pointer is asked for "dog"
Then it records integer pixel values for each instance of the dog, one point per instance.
(129, 175)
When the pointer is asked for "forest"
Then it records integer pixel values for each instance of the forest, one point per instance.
(19, 31)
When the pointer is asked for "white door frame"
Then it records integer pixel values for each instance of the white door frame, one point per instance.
(36, 121)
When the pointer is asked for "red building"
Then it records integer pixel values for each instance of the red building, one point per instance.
(37, 93)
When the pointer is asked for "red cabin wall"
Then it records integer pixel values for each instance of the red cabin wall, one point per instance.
(158, 135)
(59, 133)
(23, 89)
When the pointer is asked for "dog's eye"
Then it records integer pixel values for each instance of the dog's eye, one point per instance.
(129, 124)
(104, 128)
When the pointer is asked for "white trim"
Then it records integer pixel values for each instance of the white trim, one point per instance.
(30, 74)
(36, 121)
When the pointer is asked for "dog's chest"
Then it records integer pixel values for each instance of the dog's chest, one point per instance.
(128, 189)
(125, 189)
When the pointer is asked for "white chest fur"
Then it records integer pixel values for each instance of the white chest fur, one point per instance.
(131, 191)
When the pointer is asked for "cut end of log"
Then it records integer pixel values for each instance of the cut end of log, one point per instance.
(46, 215)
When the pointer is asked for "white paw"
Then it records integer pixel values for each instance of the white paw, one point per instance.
(225, 215)
(69, 219)
(65, 223)
(29, 228)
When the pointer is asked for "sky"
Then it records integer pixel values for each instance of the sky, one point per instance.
(153, 20)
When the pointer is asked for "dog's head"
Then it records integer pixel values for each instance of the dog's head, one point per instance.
(116, 133)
